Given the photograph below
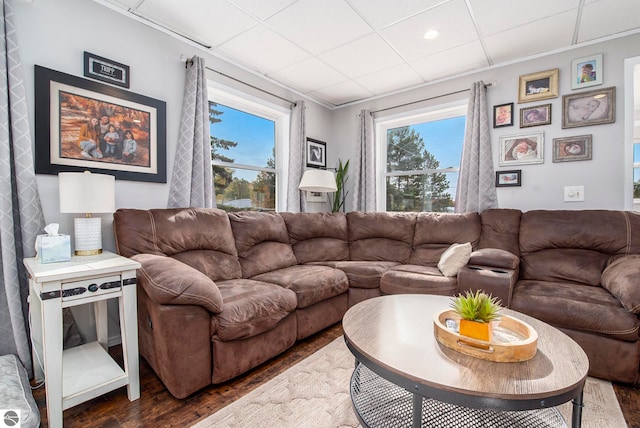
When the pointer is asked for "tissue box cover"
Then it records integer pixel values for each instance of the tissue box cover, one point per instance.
(52, 249)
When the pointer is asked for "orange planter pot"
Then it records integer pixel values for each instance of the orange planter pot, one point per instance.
(476, 330)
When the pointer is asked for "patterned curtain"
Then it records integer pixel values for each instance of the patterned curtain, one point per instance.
(297, 142)
(21, 217)
(192, 183)
(364, 190)
(476, 189)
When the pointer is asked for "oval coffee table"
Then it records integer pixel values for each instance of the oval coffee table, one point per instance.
(404, 377)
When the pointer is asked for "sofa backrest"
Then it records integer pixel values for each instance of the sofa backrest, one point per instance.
(200, 237)
(262, 242)
(318, 237)
(500, 229)
(435, 232)
(575, 245)
(382, 236)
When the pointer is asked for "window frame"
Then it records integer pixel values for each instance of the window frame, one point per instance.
(413, 117)
(281, 116)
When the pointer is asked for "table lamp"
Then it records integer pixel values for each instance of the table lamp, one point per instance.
(318, 180)
(84, 192)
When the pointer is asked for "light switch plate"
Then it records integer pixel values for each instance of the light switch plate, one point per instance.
(573, 193)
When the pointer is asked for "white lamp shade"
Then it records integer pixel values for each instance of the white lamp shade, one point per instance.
(84, 192)
(318, 180)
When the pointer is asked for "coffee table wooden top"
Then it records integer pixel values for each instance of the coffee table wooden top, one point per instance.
(395, 334)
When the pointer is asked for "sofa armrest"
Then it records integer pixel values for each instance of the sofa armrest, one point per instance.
(495, 257)
(169, 281)
(622, 279)
(493, 271)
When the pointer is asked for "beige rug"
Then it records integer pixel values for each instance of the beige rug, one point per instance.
(315, 393)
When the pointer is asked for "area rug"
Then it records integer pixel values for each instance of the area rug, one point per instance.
(315, 393)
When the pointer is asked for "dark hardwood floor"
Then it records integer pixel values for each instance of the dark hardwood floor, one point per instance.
(157, 408)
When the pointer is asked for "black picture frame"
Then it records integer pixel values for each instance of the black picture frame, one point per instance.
(106, 70)
(64, 104)
(503, 115)
(316, 153)
(511, 178)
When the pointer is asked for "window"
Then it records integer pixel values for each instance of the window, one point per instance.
(419, 156)
(248, 137)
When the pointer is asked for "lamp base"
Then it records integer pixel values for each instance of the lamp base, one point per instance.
(88, 236)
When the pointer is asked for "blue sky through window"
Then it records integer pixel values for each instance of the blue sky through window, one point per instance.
(444, 139)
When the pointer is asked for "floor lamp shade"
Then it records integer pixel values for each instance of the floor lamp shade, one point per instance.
(318, 180)
(84, 192)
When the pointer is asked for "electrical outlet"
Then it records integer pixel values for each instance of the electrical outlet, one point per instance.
(573, 193)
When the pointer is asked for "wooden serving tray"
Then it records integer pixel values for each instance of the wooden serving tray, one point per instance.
(513, 340)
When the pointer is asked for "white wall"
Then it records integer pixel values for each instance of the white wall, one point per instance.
(542, 184)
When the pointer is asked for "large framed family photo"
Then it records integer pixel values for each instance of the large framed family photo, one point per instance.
(85, 125)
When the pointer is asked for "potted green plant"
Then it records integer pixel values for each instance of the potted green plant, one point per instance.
(340, 195)
(477, 311)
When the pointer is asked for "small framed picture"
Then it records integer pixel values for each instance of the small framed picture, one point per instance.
(586, 71)
(538, 86)
(535, 116)
(589, 108)
(568, 149)
(503, 115)
(106, 70)
(509, 178)
(316, 196)
(316, 153)
(521, 149)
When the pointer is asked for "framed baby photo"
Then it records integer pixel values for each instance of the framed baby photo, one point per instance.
(593, 107)
(568, 149)
(503, 115)
(316, 153)
(521, 149)
(509, 178)
(535, 116)
(586, 72)
(538, 86)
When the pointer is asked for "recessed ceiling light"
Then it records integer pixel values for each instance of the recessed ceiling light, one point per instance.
(431, 34)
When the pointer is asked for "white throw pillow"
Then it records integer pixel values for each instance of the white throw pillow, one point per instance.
(454, 258)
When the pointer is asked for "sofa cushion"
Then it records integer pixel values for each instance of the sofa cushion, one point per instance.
(380, 236)
(169, 281)
(621, 278)
(500, 229)
(417, 279)
(454, 258)
(250, 308)
(318, 236)
(494, 257)
(575, 307)
(262, 242)
(575, 265)
(362, 274)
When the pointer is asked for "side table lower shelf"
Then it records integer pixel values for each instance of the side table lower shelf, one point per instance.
(380, 403)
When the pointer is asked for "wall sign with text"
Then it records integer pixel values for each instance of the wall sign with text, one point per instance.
(106, 70)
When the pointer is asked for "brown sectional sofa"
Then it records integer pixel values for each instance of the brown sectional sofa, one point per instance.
(222, 293)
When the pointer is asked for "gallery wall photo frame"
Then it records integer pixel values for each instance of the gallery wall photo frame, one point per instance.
(106, 70)
(538, 86)
(68, 113)
(535, 116)
(587, 108)
(569, 149)
(511, 178)
(316, 153)
(587, 71)
(521, 149)
(503, 115)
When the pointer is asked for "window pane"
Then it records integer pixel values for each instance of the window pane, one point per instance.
(244, 190)
(636, 154)
(425, 192)
(636, 183)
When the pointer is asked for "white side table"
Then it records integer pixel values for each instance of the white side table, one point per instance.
(78, 374)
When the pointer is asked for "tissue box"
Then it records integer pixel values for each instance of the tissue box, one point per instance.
(52, 249)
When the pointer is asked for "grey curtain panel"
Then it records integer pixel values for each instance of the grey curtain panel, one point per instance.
(364, 190)
(21, 217)
(476, 190)
(191, 182)
(297, 142)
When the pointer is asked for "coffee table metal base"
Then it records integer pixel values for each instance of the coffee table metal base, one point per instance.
(380, 403)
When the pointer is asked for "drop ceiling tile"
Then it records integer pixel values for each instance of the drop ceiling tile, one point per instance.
(362, 56)
(603, 18)
(382, 13)
(318, 26)
(389, 80)
(127, 4)
(451, 19)
(450, 62)
(261, 8)
(263, 50)
(543, 35)
(341, 93)
(209, 22)
(308, 75)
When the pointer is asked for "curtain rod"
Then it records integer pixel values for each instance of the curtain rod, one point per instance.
(190, 62)
(432, 98)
